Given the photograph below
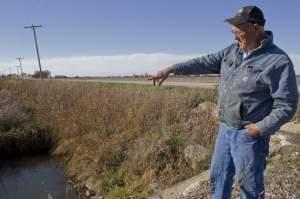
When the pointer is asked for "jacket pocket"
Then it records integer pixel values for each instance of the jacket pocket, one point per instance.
(252, 78)
(226, 67)
(233, 110)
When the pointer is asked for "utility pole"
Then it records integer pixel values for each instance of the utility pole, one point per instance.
(36, 46)
(20, 58)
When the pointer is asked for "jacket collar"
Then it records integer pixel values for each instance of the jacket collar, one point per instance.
(265, 43)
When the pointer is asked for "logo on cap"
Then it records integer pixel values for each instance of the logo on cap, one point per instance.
(239, 13)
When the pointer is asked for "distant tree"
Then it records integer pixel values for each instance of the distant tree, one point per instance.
(60, 76)
(45, 74)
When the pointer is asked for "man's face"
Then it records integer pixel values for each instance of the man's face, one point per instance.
(244, 34)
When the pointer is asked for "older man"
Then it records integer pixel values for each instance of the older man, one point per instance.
(257, 94)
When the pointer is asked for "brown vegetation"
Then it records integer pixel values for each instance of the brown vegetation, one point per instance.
(118, 138)
(19, 134)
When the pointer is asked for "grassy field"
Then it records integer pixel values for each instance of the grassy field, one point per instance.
(117, 138)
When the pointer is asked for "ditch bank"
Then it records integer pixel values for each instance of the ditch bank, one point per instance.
(27, 168)
(116, 141)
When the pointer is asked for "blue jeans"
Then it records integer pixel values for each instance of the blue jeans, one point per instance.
(238, 153)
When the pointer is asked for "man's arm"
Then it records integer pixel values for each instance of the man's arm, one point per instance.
(209, 64)
(284, 91)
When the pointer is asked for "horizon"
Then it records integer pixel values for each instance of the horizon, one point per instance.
(117, 38)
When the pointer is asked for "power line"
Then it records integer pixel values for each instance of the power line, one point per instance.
(36, 46)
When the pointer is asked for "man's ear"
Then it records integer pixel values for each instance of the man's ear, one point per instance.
(258, 28)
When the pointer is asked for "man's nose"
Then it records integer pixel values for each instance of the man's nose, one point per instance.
(235, 32)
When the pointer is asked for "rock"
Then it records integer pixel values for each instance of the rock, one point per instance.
(195, 153)
(277, 157)
(208, 107)
(283, 140)
(87, 193)
(155, 197)
(190, 189)
(274, 145)
(97, 197)
(288, 150)
(196, 190)
(156, 185)
(208, 110)
(280, 143)
(90, 183)
(177, 190)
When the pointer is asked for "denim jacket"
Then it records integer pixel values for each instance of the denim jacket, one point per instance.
(260, 88)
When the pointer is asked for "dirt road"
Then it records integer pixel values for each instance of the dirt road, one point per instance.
(166, 83)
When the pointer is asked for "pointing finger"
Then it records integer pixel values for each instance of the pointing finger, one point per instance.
(162, 80)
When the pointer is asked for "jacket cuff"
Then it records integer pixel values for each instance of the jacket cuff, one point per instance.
(263, 129)
(176, 68)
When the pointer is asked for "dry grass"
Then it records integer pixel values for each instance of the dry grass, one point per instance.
(19, 134)
(119, 137)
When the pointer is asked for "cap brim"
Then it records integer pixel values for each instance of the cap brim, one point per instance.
(236, 20)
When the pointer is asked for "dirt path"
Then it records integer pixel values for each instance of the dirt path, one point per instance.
(166, 83)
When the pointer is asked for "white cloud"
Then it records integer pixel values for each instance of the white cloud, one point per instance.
(103, 65)
(110, 65)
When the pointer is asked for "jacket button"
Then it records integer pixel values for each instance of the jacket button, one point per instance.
(245, 78)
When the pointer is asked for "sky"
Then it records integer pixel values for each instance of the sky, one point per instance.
(125, 37)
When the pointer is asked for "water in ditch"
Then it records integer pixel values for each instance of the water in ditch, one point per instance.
(34, 177)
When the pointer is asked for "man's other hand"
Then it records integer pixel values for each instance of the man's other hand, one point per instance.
(161, 75)
(252, 130)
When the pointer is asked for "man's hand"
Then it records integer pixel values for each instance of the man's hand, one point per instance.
(252, 130)
(161, 75)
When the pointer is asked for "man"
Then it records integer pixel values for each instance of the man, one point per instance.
(257, 94)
